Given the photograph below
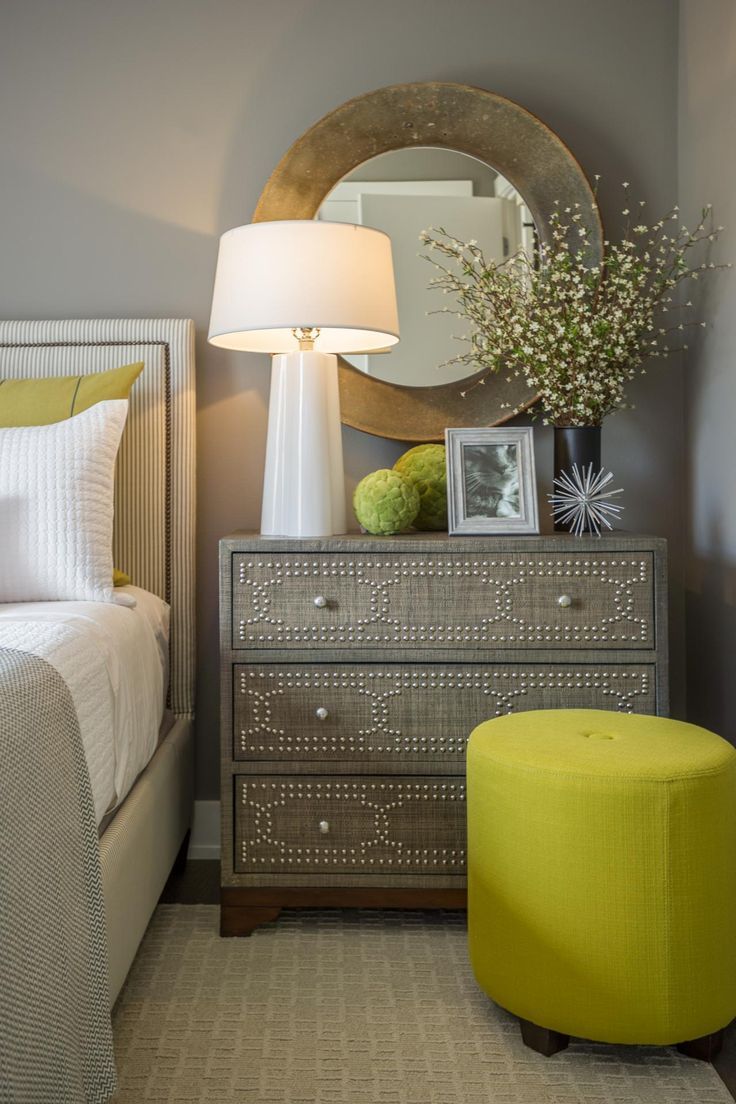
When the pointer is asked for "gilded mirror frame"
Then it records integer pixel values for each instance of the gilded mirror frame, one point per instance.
(459, 117)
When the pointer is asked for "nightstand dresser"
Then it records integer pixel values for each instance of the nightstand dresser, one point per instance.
(354, 669)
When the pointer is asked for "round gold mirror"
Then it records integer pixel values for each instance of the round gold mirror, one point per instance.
(406, 158)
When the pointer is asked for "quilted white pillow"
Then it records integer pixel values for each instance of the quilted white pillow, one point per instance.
(56, 507)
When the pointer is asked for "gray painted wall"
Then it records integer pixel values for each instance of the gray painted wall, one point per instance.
(134, 133)
(708, 175)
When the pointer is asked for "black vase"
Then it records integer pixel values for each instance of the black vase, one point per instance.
(579, 445)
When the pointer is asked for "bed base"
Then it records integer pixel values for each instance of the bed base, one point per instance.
(141, 845)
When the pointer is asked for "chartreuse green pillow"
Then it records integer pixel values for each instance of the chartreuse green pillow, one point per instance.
(35, 402)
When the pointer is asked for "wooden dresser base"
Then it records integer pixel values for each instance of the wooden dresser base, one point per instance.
(242, 910)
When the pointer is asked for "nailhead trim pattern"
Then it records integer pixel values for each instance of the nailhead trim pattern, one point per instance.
(509, 601)
(411, 711)
(365, 816)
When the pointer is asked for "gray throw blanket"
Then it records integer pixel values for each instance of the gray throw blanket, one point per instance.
(55, 1031)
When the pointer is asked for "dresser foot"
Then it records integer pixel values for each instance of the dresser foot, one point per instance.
(243, 920)
(705, 1048)
(542, 1039)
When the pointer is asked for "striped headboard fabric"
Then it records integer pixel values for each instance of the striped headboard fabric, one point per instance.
(155, 481)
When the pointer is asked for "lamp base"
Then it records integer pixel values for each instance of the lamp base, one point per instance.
(304, 483)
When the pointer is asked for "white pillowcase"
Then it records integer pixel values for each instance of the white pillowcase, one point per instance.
(56, 507)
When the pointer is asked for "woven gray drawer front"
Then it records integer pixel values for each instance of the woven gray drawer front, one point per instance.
(402, 714)
(506, 601)
(374, 825)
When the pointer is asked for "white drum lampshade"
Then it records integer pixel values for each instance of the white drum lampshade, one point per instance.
(304, 290)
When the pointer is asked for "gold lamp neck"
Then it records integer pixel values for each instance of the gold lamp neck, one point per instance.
(306, 336)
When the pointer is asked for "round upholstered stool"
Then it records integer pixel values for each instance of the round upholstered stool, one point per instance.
(602, 877)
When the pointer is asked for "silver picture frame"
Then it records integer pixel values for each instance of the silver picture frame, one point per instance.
(491, 481)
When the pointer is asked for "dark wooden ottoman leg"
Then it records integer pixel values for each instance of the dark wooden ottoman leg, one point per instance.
(542, 1039)
(705, 1048)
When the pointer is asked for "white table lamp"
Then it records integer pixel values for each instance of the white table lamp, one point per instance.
(304, 291)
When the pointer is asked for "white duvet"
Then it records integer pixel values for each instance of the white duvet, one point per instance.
(113, 659)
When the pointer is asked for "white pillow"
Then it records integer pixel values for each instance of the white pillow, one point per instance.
(56, 507)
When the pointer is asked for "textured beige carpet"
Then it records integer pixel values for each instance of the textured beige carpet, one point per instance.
(352, 1008)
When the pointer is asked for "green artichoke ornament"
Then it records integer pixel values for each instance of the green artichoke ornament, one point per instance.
(385, 502)
(424, 466)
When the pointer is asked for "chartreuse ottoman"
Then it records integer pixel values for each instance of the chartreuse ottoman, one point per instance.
(602, 877)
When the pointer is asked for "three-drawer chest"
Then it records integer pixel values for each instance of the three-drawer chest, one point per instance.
(353, 671)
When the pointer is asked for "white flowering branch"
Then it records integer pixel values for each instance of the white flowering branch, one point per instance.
(576, 331)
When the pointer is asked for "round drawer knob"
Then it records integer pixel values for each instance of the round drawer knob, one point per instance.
(320, 601)
(564, 600)
(324, 827)
(321, 714)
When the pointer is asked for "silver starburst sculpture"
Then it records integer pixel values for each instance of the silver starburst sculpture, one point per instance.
(582, 500)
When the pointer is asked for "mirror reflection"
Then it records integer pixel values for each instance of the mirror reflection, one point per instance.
(402, 193)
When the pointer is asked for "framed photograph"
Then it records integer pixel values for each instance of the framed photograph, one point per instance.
(491, 481)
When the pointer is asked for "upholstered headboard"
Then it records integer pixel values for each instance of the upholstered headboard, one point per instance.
(154, 496)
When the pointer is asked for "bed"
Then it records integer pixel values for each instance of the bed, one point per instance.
(154, 544)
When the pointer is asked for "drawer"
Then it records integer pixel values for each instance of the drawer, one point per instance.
(504, 602)
(374, 825)
(410, 713)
